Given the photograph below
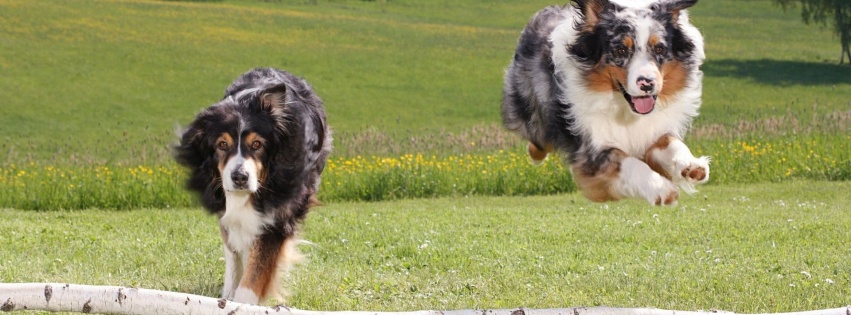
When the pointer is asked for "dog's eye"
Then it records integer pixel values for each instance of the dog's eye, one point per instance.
(222, 145)
(620, 52)
(660, 50)
(256, 145)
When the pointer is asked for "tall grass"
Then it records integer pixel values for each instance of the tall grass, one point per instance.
(416, 176)
(743, 159)
(485, 160)
(33, 186)
(775, 159)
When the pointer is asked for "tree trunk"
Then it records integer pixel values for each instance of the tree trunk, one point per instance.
(843, 30)
(57, 297)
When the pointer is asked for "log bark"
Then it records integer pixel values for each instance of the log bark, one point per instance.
(58, 297)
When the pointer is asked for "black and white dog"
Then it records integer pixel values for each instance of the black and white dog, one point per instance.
(255, 158)
(615, 86)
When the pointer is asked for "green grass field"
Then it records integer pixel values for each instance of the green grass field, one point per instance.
(744, 248)
(93, 89)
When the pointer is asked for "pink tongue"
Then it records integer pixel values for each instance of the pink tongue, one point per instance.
(643, 104)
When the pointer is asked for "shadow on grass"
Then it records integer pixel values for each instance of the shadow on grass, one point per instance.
(780, 72)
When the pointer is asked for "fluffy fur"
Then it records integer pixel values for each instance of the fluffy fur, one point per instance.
(616, 88)
(255, 159)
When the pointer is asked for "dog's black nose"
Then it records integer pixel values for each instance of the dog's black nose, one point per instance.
(646, 84)
(240, 178)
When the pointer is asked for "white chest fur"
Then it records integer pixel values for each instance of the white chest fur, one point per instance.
(609, 123)
(242, 222)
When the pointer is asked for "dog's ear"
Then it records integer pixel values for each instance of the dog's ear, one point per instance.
(592, 10)
(273, 97)
(195, 152)
(190, 151)
(672, 7)
(320, 129)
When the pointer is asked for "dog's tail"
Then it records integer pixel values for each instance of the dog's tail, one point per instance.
(536, 154)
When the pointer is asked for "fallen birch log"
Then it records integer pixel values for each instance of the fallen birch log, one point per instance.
(58, 297)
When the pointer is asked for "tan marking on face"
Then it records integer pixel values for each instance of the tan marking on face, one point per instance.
(261, 172)
(653, 41)
(606, 79)
(661, 144)
(674, 74)
(628, 42)
(256, 155)
(253, 137)
(597, 187)
(223, 154)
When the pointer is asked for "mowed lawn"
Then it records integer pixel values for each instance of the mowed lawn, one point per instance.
(744, 248)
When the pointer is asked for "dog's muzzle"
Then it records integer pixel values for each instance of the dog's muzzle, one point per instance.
(642, 105)
(239, 177)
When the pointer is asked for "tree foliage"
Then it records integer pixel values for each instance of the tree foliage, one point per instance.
(823, 11)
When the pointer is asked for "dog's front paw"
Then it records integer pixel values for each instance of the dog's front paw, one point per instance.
(227, 293)
(657, 190)
(638, 180)
(691, 172)
(245, 295)
(660, 191)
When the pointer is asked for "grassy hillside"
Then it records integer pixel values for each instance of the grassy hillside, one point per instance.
(100, 81)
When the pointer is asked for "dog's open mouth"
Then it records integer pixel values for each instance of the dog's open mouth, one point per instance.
(639, 104)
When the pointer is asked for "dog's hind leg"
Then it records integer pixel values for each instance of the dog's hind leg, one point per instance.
(612, 174)
(537, 154)
(672, 158)
(271, 254)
